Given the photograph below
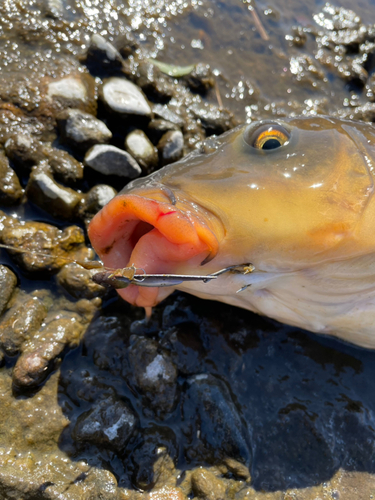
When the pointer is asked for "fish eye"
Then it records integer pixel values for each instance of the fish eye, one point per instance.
(268, 136)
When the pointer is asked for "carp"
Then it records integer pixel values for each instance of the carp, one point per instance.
(292, 196)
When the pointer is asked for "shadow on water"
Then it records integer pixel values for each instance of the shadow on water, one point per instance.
(293, 406)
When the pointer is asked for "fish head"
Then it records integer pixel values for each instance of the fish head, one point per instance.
(282, 194)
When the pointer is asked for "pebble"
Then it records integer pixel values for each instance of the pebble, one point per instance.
(94, 200)
(207, 486)
(8, 282)
(27, 152)
(20, 322)
(158, 127)
(155, 378)
(81, 129)
(153, 458)
(139, 146)
(40, 352)
(213, 119)
(103, 53)
(164, 112)
(73, 91)
(153, 82)
(11, 190)
(201, 79)
(78, 282)
(207, 404)
(123, 97)
(171, 147)
(52, 197)
(110, 160)
(37, 237)
(109, 424)
(127, 44)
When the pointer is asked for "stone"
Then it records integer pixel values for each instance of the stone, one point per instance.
(56, 199)
(109, 424)
(153, 82)
(171, 147)
(78, 282)
(153, 457)
(121, 96)
(82, 130)
(213, 119)
(20, 322)
(94, 200)
(8, 282)
(110, 160)
(207, 404)
(201, 79)
(139, 146)
(207, 486)
(158, 127)
(102, 52)
(164, 112)
(155, 378)
(11, 190)
(26, 152)
(127, 44)
(45, 247)
(60, 331)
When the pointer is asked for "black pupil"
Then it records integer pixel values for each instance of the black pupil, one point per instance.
(271, 144)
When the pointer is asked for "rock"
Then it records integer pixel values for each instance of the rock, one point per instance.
(139, 146)
(53, 9)
(63, 165)
(78, 282)
(207, 486)
(171, 147)
(39, 353)
(26, 152)
(238, 469)
(20, 322)
(103, 54)
(81, 129)
(153, 82)
(158, 127)
(52, 197)
(121, 96)
(109, 160)
(95, 200)
(127, 44)
(10, 188)
(46, 247)
(155, 378)
(8, 282)
(207, 404)
(214, 120)
(165, 112)
(201, 79)
(153, 458)
(76, 90)
(109, 424)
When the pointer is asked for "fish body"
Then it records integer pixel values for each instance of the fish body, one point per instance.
(294, 197)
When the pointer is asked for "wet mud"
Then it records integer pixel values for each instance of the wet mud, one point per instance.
(204, 400)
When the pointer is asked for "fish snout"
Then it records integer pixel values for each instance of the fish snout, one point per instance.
(155, 231)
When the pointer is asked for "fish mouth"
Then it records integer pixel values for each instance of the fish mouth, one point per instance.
(157, 233)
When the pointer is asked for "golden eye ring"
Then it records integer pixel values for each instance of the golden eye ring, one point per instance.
(268, 136)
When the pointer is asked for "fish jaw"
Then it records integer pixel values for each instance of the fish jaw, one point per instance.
(155, 236)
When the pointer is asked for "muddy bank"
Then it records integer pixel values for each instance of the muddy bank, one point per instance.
(203, 401)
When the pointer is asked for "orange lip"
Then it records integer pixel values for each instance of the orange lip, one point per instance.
(149, 234)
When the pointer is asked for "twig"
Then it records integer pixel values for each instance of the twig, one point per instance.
(263, 33)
